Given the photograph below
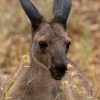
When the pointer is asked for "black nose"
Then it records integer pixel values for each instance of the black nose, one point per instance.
(61, 68)
(58, 71)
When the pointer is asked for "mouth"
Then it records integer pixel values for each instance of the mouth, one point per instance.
(58, 72)
(57, 77)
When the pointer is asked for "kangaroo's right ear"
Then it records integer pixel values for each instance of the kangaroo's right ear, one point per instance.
(33, 14)
(61, 10)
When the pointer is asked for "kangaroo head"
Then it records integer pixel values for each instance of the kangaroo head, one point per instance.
(50, 41)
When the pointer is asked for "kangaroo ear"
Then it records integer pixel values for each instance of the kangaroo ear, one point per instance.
(61, 10)
(33, 14)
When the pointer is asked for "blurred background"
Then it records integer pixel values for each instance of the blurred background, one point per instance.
(83, 29)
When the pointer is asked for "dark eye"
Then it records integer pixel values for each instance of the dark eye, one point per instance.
(43, 44)
(68, 44)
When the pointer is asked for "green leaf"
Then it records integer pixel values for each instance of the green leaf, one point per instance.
(3, 91)
(9, 86)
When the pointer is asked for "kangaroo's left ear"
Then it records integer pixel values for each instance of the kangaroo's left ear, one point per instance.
(33, 14)
(61, 10)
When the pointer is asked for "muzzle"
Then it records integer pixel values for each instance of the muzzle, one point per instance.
(58, 71)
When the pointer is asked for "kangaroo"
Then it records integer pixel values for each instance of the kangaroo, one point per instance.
(49, 66)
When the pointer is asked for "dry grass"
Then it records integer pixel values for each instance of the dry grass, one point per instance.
(83, 28)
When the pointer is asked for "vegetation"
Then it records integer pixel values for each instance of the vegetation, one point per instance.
(83, 28)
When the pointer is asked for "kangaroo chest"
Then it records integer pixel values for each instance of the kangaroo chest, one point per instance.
(43, 92)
